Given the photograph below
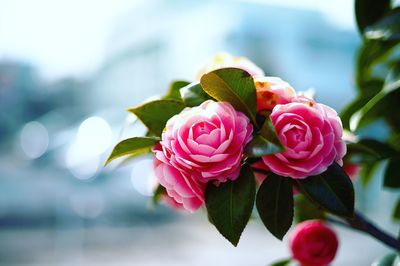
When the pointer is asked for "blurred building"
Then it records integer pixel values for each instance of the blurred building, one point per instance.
(24, 97)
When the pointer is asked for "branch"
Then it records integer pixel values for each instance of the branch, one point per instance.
(361, 223)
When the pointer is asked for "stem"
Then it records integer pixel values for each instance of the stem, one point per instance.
(338, 222)
(260, 171)
(250, 160)
(360, 223)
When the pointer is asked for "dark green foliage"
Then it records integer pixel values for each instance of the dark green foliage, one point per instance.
(284, 262)
(265, 142)
(275, 204)
(392, 174)
(174, 90)
(229, 205)
(232, 85)
(155, 114)
(331, 190)
(305, 209)
(396, 212)
(369, 12)
(132, 147)
(193, 94)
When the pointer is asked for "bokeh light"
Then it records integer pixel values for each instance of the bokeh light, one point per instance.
(34, 139)
(83, 155)
(94, 136)
(142, 177)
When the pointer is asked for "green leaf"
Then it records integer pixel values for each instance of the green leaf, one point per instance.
(367, 173)
(155, 114)
(358, 153)
(396, 211)
(193, 94)
(396, 261)
(129, 158)
(259, 146)
(275, 204)
(386, 260)
(268, 132)
(265, 142)
(382, 149)
(371, 54)
(230, 204)
(369, 90)
(174, 90)
(284, 262)
(392, 83)
(132, 147)
(394, 141)
(307, 210)
(232, 85)
(331, 190)
(160, 190)
(370, 11)
(392, 174)
(386, 29)
(369, 151)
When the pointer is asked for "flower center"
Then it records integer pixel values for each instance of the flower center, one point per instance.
(202, 128)
(294, 136)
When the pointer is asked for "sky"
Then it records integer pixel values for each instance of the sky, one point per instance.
(61, 37)
(68, 37)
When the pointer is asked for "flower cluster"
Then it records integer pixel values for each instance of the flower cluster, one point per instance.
(234, 138)
(205, 143)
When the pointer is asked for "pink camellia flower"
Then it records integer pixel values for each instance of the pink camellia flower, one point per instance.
(181, 189)
(206, 142)
(313, 243)
(171, 202)
(223, 60)
(272, 91)
(312, 135)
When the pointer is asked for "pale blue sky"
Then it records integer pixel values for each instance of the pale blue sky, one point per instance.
(67, 37)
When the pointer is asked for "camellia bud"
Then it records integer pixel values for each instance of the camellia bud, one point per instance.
(313, 243)
(272, 91)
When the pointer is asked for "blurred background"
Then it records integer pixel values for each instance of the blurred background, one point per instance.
(68, 71)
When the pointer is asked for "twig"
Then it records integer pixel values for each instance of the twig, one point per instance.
(361, 223)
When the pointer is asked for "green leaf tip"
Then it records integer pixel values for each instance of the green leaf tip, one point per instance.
(232, 85)
(173, 92)
(155, 114)
(131, 146)
(274, 204)
(229, 205)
